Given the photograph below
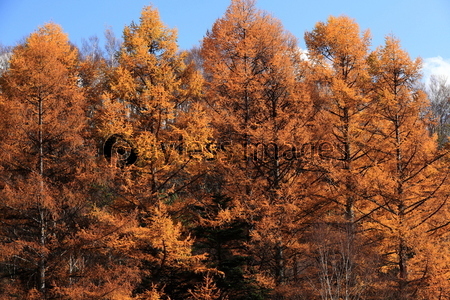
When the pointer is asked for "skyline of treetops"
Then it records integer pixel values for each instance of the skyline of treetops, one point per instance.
(244, 168)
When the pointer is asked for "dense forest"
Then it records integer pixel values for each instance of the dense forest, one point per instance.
(242, 169)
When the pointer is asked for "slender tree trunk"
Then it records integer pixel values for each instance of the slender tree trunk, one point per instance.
(348, 259)
(403, 272)
(349, 205)
(42, 261)
(42, 258)
(402, 259)
(279, 259)
(402, 248)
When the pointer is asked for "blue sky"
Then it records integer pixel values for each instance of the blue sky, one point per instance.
(422, 26)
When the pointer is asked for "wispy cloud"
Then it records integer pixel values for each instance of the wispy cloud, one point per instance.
(435, 66)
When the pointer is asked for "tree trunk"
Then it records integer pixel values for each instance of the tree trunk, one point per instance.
(42, 261)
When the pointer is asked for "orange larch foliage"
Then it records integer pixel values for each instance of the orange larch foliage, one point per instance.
(46, 176)
(151, 111)
(152, 106)
(338, 51)
(302, 175)
(409, 181)
(257, 92)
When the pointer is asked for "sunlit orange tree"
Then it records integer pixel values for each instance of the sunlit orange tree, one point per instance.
(409, 182)
(47, 171)
(339, 50)
(155, 134)
(257, 91)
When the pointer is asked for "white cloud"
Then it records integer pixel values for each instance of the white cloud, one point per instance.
(435, 66)
(303, 53)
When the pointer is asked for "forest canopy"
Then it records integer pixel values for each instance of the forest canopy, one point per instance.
(244, 168)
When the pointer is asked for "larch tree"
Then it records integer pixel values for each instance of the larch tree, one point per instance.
(152, 107)
(257, 92)
(39, 76)
(46, 173)
(338, 51)
(409, 181)
(155, 134)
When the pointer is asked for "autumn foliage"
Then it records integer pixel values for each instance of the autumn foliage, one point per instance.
(245, 168)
